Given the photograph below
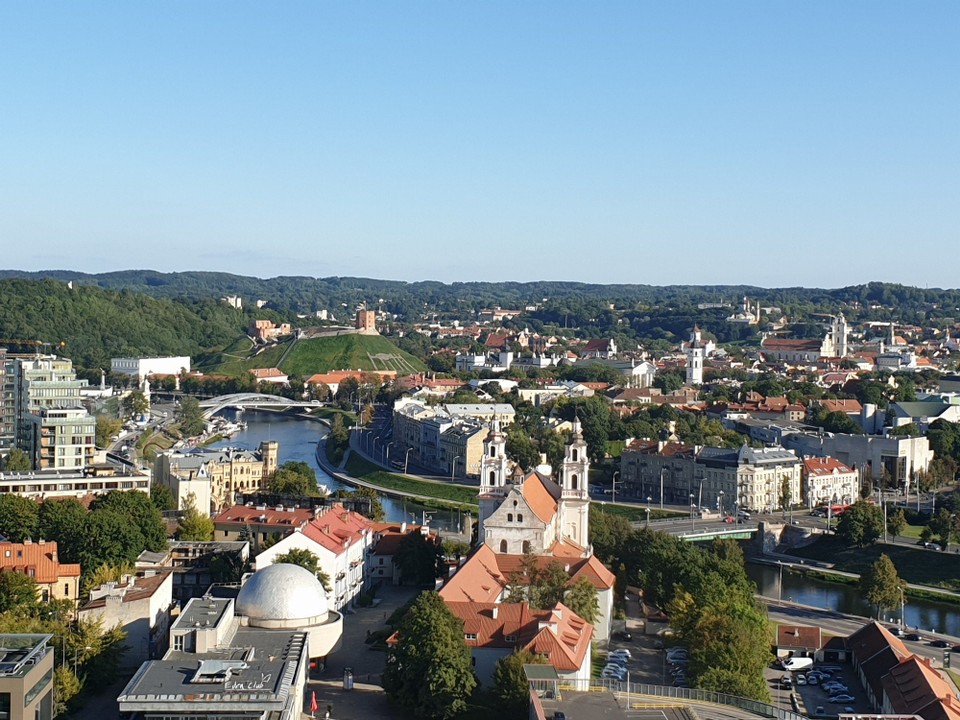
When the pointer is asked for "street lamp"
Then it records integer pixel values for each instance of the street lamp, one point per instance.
(406, 459)
(648, 510)
(87, 648)
(614, 485)
(386, 454)
(662, 471)
(780, 584)
(453, 466)
(720, 502)
(693, 521)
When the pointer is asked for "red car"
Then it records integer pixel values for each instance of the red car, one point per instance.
(730, 519)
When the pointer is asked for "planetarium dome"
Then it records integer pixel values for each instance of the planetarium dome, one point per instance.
(282, 595)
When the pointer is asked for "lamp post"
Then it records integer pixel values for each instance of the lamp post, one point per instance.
(406, 460)
(780, 584)
(693, 520)
(386, 454)
(614, 486)
(648, 510)
(902, 623)
(720, 502)
(87, 648)
(453, 466)
(662, 471)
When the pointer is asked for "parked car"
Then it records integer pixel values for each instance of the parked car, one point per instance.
(621, 651)
(843, 698)
(798, 663)
(801, 680)
(956, 648)
(939, 643)
(730, 519)
(836, 688)
(623, 635)
(813, 679)
(557, 715)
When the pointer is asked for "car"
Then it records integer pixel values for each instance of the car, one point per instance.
(621, 651)
(680, 683)
(939, 643)
(819, 710)
(617, 660)
(797, 663)
(915, 637)
(956, 648)
(615, 669)
(623, 635)
(842, 698)
(836, 689)
(786, 681)
(557, 715)
(613, 674)
(730, 519)
(676, 652)
(801, 680)
(813, 679)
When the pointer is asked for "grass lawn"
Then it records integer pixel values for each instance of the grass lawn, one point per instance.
(912, 531)
(328, 413)
(635, 513)
(237, 359)
(921, 567)
(355, 352)
(365, 470)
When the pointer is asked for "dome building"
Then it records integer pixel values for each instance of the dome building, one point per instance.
(289, 597)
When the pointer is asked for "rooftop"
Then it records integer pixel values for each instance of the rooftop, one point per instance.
(20, 652)
(203, 612)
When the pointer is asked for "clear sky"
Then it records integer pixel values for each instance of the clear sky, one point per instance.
(723, 141)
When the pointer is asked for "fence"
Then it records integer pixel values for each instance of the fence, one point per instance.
(686, 694)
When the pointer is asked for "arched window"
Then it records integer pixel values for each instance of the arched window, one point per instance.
(573, 481)
(573, 454)
(493, 451)
(526, 546)
(493, 477)
(509, 517)
(519, 517)
(503, 546)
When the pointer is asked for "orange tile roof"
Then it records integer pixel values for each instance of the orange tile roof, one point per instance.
(337, 529)
(478, 579)
(37, 559)
(799, 636)
(537, 493)
(246, 515)
(559, 633)
(262, 373)
(913, 685)
(819, 466)
(844, 406)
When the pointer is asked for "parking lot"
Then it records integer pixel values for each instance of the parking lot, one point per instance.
(831, 680)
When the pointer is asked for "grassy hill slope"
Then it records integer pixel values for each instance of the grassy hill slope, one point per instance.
(348, 352)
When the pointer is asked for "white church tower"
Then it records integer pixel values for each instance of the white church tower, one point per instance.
(574, 496)
(493, 474)
(695, 354)
(841, 333)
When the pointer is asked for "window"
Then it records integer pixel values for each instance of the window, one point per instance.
(573, 454)
(509, 517)
(526, 546)
(519, 517)
(178, 642)
(493, 451)
(573, 481)
(381, 561)
(470, 636)
(66, 589)
(503, 546)
(493, 477)
(510, 638)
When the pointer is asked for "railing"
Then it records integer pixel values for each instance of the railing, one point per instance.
(641, 690)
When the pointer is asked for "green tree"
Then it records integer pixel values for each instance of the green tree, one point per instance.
(417, 557)
(520, 449)
(896, 522)
(786, 494)
(17, 461)
(107, 428)
(162, 497)
(294, 479)
(18, 517)
(429, 672)
(227, 568)
(308, 561)
(582, 599)
(941, 525)
(135, 404)
(63, 520)
(881, 585)
(510, 683)
(66, 687)
(190, 416)
(18, 592)
(140, 510)
(194, 524)
(861, 524)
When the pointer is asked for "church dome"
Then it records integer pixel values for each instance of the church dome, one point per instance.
(282, 593)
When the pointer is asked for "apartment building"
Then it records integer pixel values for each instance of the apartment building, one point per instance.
(26, 677)
(827, 480)
(40, 561)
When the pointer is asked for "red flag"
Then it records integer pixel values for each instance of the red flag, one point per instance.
(313, 701)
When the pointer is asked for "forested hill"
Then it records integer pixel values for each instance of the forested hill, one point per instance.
(578, 300)
(97, 324)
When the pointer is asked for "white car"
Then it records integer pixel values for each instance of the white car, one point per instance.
(620, 651)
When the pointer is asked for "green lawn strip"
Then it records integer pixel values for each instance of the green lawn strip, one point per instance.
(340, 352)
(912, 531)
(368, 472)
(328, 413)
(636, 513)
(236, 361)
(919, 567)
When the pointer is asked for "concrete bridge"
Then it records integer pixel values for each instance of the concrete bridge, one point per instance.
(212, 406)
(700, 529)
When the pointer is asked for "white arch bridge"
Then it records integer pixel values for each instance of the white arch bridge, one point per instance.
(211, 406)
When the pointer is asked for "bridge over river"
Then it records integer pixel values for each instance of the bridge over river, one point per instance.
(211, 406)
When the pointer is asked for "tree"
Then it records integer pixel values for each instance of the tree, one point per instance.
(417, 557)
(861, 524)
(786, 494)
(582, 599)
(162, 497)
(510, 683)
(18, 517)
(66, 687)
(190, 416)
(16, 461)
(429, 672)
(194, 524)
(881, 585)
(107, 429)
(896, 522)
(941, 525)
(63, 520)
(308, 561)
(520, 449)
(140, 510)
(295, 479)
(18, 592)
(135, 404)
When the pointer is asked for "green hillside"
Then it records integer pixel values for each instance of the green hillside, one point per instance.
(314, 355)
(348, 352)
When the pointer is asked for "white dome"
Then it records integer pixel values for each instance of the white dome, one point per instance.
(282, 592)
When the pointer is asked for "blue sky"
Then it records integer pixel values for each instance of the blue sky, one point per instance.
(771, 143)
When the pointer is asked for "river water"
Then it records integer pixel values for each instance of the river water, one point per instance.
(298, 441)
(925, 614)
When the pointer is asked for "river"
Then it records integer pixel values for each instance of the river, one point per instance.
(298, 441)
(925, 614)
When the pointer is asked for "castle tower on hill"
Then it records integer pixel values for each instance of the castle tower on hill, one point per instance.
(532, 513)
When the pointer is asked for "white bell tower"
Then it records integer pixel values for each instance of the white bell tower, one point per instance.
(695, 354)
(493, 475)
(574, 485)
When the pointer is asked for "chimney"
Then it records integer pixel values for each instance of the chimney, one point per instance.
(403, 528)
(495, 611)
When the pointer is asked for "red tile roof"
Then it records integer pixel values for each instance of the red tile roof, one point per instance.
(337, 529)
(844, 406)
(37, 559)
(913, 685)
(820, 466)
(539, 498)
(246, 515)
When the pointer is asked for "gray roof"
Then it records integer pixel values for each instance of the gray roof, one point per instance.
(921, 408)
(203, 612)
